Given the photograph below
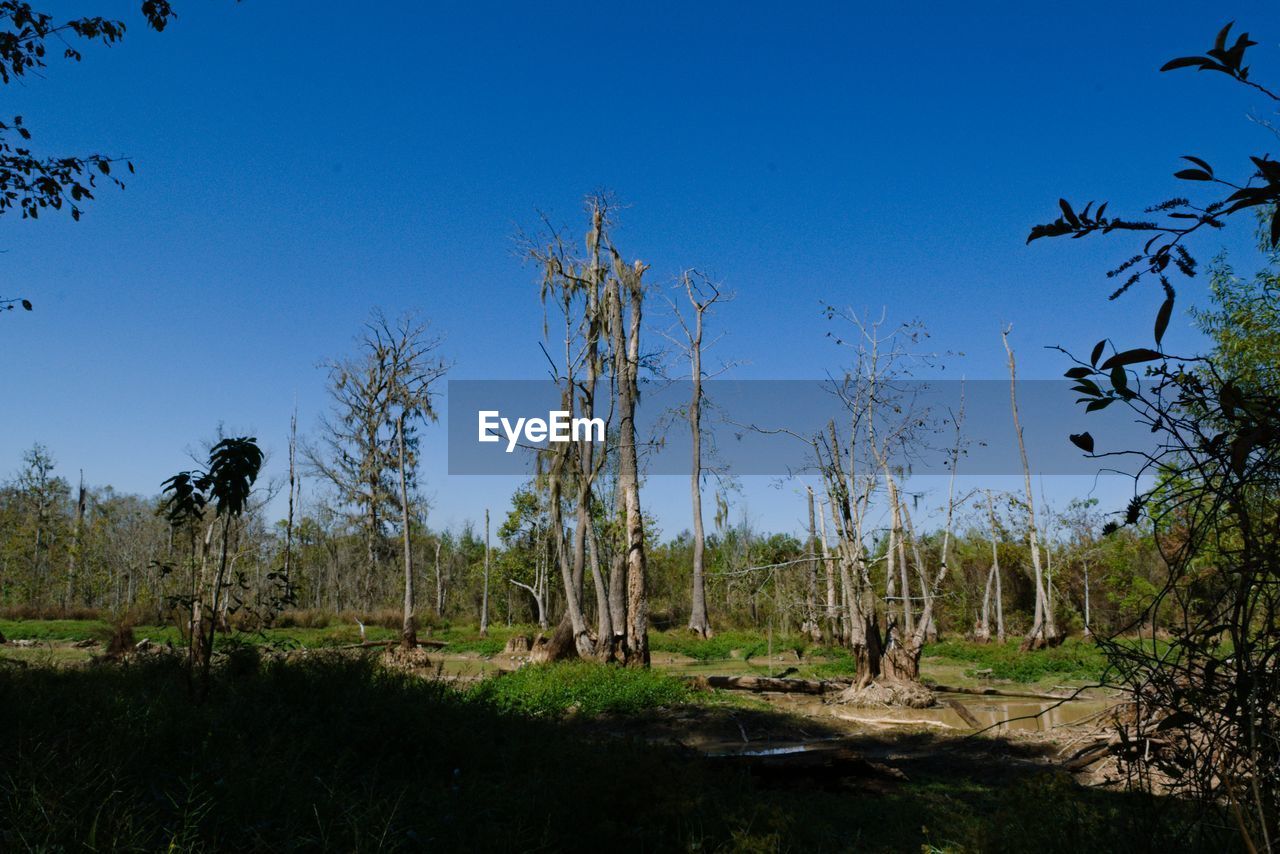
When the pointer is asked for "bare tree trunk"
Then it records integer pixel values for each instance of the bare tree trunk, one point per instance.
(698, 621)
(76, 544)
(627, 356)
(409, 628)
(605, 645)
(1087, 630)
(484, 601)
(1042, 627)
(439, 581)
(293, 488)
(831, 579)
(812, 625)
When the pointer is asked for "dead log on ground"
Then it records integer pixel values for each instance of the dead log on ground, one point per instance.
(760, 684)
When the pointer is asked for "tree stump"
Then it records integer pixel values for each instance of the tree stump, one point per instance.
(518, 645)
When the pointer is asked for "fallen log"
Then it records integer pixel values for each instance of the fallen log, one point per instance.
(771, 684)
(890, 722)
(965, 714)
(434, 644)
(996, 692)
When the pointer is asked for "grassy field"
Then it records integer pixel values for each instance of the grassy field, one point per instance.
(334, 752)
(952, 662)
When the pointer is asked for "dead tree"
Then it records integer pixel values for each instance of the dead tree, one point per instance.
(702, 293)
(628, 282)
(1042, 630)
(992, 589)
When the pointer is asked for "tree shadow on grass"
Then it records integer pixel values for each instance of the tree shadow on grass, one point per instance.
(335, 753)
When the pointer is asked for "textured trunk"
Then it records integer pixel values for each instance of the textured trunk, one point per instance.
(293, 491)
(76, 545)
(1087, 630)
(484, 601)
(605, 646)
(1042, 630)
(812, 625)
(698, 622)
(627, 361)
(439, 582)
(831, 581)
(409, 627)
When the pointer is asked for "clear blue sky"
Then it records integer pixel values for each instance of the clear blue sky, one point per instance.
(298, 166)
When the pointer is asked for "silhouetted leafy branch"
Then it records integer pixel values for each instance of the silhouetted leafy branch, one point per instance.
(1178, 218)
(1206, 704)
(31, 182)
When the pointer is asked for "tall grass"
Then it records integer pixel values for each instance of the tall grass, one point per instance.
(1073, 659)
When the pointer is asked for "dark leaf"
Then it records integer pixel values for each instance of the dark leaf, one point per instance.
(1068, 213)
(1197, 161)
(1185, 62)
(1083, 441)
(1162, 318)
(1132, 357)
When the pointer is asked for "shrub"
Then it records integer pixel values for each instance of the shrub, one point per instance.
(586, 687)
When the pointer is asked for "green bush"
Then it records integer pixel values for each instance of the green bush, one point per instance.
(586, 687)
(1075, 659)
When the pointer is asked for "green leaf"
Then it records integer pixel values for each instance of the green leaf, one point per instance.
(1099, 404)
(1097, 352)
(1193, 175)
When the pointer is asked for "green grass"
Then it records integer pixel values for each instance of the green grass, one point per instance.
(334, 753)
(723, 645)
(49, 630)
(583, 687)
(1074, 659)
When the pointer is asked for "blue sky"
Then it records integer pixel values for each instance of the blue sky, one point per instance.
(301, 164)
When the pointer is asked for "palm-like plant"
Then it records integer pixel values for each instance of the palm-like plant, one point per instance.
(227, 483)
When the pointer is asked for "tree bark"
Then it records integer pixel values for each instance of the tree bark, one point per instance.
(76, 544)
(627, 361)
(1042, 630)
(484, 601)
(409, 627)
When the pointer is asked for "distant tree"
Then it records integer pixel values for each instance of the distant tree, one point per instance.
(43, 495)
(368, 444)
(600, 299)
(702, 294)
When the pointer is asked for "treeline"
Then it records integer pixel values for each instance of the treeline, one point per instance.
(64, 551)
